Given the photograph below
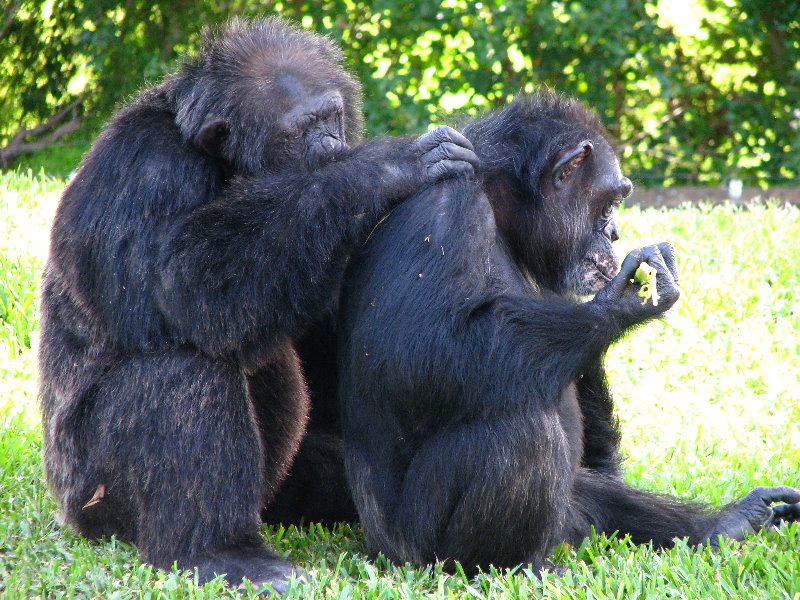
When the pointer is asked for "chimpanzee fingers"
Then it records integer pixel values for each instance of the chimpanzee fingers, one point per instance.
(668, 253)
(458, 138)
(630, 264)
(448, 168)
(450, 151)
(617, 285)
(667, 287)
(652, 256)
(781, 493)
(785, 513)
(440, 135)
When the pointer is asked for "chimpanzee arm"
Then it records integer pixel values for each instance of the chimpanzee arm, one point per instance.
(563, 338)
(611, 506)
(601, 435)
(260, 260)
(552, 340)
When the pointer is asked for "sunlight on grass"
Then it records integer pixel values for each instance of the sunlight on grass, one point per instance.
(725, 386)
(27, 204)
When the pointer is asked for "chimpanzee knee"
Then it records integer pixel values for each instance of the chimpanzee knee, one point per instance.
(175, 462)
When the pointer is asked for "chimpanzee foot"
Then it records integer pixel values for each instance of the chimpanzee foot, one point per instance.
(755, 511)
(266, 572)
(552, 569)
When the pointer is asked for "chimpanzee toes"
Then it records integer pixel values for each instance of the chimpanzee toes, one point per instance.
(276, 581)
(268, 574)
(754, 512)
(755, 509)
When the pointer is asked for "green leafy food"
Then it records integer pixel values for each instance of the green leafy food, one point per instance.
(645, 276)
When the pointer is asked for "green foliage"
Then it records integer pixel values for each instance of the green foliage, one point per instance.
(732, 94)
(701, 104)
(709, 409)
(38, 62)
(57, 161)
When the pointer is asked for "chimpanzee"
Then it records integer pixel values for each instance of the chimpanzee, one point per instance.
(204, 232)
(477, 422)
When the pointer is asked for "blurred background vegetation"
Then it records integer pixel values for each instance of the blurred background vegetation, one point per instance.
(696, 91)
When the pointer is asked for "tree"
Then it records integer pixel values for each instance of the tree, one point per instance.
(72, 61)
(37, 106)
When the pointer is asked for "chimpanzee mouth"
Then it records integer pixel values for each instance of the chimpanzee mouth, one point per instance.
(597, 272)
(605, 268)
(600, 272)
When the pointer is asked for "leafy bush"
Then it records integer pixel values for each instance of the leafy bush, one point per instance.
(705, 95)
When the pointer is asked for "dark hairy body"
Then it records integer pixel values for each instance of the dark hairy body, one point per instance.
(477, 420)
(204, 234)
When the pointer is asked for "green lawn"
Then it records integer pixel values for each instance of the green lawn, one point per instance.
(710, 408)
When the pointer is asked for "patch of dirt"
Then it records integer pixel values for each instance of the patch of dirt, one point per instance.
(675, 196)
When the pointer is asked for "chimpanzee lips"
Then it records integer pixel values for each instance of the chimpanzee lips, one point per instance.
(597, 272)
(606, 266)
(323, 151)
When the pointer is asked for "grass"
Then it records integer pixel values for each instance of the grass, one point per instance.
(709, 409)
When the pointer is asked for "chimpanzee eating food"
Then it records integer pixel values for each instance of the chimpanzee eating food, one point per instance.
(478, 424)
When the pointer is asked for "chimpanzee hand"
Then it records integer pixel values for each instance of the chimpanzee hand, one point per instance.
(754, 512)
(621, 295)
(445, 152)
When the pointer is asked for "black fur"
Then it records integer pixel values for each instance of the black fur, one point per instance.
(477, 421)
(204, 233)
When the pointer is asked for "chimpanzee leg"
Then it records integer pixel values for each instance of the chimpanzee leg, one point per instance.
(280, 404)
(173, 441)
(486, 492)
(316, 489)
(611, 507)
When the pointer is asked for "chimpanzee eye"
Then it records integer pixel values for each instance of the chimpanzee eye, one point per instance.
(304, 121)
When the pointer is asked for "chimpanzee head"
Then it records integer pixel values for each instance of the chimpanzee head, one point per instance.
(553, 181)
(267, 96)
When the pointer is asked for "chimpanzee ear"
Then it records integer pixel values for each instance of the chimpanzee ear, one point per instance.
(569, 161)
(212, 136)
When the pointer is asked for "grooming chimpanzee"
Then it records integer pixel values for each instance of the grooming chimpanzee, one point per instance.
(204, 232)
(478, 426)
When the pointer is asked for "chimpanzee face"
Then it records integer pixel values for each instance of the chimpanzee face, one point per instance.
(313, 124)
(581, 191)
(274, 105)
